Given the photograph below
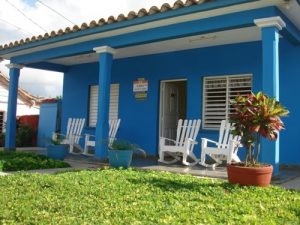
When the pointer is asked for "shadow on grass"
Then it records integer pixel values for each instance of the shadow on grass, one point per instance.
(180, 185)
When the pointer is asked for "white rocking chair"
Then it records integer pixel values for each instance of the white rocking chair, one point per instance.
(187, 132)
(73, 135)
(113, 129)
(226, 148)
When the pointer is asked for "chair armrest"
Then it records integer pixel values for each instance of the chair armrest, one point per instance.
(64, 136)
(89, 135)
(235, 143)
(192, 141)
(167, 139)
(210, 141)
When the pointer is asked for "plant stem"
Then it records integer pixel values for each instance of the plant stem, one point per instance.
(258, 146)
(247, 156)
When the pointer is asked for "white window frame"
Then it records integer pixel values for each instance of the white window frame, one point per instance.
(113, 104)
(227, 100)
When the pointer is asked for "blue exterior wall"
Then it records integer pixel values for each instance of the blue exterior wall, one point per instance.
(140, 119)
(290, 97)
(47, 123)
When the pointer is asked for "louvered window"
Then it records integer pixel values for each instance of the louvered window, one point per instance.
(113, 103)
(1, 122)
(217, 93)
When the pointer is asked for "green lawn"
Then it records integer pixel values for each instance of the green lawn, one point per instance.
(17, 161)
(140, 197)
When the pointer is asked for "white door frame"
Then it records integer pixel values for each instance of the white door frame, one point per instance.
(162, 82)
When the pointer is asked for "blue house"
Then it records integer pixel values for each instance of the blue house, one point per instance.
(182, 61)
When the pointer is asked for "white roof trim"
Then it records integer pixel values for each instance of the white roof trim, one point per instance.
(104, 49)
(275, 21)
(12, 65)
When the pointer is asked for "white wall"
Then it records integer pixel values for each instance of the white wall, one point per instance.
(22, 108)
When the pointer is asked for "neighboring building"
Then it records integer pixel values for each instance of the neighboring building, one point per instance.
(182, 61)
(27, 103)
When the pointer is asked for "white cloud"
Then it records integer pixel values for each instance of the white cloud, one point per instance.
(14, 26)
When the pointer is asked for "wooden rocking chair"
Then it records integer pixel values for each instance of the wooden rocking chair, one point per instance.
(187, 132)
(73, 135)
(113, 129)
(226, 148)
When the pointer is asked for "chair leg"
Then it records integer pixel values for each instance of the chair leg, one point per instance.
(235, 158)
(192, 156)
(71, 148)
(202, 159)
(162, 160)
(202, 162)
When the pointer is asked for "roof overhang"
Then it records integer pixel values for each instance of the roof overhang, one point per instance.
(220, 16)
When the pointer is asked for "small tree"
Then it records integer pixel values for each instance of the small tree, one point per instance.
(256, 115)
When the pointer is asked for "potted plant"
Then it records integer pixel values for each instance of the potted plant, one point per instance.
(120, 153)
(255, 116)
(56, 149)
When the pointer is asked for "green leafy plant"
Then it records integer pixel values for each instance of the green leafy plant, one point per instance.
(25, 136)
(17, 161)
(256, 116)
(122, 145)
(2, 139)
(119, 144)
(57, 139)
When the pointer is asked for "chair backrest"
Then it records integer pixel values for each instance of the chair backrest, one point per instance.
(74, 127)
(113, 128)
(225, 134)
(187, 129)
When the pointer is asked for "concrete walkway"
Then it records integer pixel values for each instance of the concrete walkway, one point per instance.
(292, 184)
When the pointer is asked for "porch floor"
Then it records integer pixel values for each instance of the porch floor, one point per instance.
(289, 176)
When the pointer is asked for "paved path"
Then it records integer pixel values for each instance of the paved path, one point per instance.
(292, 184)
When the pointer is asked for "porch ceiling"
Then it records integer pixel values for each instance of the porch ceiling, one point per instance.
(192, 42)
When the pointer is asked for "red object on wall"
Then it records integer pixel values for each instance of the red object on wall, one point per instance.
(30, 120)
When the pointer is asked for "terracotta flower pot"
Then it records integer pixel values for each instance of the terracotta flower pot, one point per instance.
(250, 176)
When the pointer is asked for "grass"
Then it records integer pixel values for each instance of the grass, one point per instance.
(17, 161)
(112, 196)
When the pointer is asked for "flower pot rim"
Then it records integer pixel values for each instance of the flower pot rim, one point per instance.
(59, 145)
(262, 165)
(120, 150)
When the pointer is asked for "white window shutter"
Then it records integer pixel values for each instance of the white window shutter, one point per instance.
(217, 93)
(113, 103)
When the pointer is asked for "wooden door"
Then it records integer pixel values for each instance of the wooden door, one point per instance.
(170, 109)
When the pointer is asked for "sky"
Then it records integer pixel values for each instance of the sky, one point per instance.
(15, 26)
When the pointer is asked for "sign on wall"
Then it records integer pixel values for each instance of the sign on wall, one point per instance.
(140, 89)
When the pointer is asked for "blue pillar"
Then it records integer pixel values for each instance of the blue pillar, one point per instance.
(270, 80)
(10, 133)
(105, 64)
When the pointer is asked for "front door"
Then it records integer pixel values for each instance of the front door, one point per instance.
(172, 106)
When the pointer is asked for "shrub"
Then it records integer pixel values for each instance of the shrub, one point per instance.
(256, 116)
(2, 139)
(25, 135)
(16, 161)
